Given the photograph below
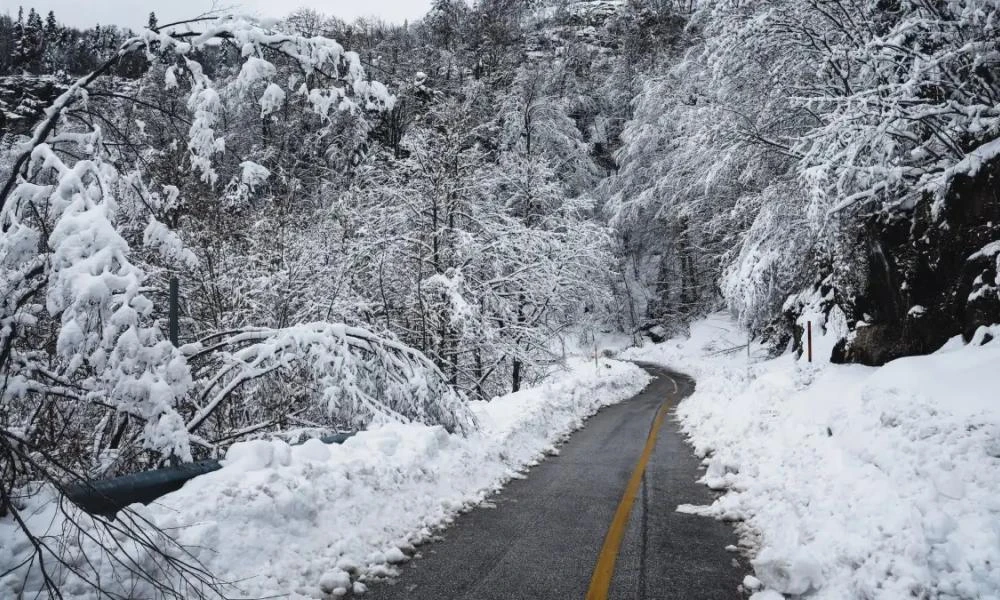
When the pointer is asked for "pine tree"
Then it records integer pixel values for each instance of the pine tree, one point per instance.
(444, 20)
(51, 51)
(20, 41)
(51, 26)
(34, 20)
(153, 22)
(33, 43)
(6, 44)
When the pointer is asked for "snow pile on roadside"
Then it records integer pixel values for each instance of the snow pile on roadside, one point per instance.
(854, 482)
(315, 521)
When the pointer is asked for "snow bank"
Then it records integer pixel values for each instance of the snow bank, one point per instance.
(314, 520)
(854, 482)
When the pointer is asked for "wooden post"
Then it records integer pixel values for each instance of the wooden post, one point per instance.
(173, 327)
(809, 338)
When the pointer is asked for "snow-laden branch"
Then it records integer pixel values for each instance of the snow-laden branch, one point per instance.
(75, 299)
(359, 377)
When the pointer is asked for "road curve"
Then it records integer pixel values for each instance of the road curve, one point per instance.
(545, 535)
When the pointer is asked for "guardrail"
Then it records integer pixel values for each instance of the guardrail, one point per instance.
(105, 497)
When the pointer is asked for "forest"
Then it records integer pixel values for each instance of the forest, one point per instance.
(370, 222)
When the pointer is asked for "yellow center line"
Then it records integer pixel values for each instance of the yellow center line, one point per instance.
(600, 581)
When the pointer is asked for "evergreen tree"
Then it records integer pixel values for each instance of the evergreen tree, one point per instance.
(34, 20)
(51, 26)
(20, 41)
(6, 44)
(444, 19)
(33, 43)
(153, 22)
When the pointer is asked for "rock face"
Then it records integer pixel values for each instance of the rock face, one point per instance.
(23, 99)
(929, 277)
(594, 13)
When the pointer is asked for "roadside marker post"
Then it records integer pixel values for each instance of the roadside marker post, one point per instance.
(809, 339)
(173, 312)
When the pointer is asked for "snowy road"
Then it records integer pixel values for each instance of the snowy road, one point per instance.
(544, 537)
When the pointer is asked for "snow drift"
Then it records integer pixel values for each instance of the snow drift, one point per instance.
(850, 481)
(313, 520)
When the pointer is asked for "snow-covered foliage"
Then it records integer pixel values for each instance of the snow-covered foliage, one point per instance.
(93, 219)
(820, 112)
(850, 481)
(481, 263)
(982, 287)
(66, 254)
(106, 352)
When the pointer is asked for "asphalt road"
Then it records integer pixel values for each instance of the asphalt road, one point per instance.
(545, 535)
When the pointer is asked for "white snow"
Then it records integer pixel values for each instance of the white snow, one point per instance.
(167, 244)
(253, 174)
(972, 162)
(313, 520)
(751, 583)
(271, 100)
(856, 482)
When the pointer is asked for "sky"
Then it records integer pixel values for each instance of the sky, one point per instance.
(134, 13)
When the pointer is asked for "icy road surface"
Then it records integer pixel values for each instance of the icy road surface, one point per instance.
(544, 537)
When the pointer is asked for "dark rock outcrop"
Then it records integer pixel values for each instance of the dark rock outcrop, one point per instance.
(23, 100)
(925, 283)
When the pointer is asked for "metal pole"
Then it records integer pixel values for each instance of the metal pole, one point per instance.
(173, 327)
(809, 337)
(749, 341)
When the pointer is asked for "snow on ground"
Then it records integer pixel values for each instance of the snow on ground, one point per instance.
(315, 521)
(852, 481)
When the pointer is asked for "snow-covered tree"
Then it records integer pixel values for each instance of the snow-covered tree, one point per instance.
(818, 124)
(88, 382)
(480, 259)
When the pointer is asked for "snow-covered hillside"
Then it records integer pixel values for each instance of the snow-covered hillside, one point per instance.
(850, 481)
